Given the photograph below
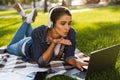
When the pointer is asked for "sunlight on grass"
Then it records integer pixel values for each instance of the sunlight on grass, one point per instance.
(95, 29)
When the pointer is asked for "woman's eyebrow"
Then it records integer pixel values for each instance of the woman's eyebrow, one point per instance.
(65, 21)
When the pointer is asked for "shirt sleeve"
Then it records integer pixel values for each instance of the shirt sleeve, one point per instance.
(38, 47)
(70, 50)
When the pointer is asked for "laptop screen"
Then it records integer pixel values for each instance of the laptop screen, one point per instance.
(103, 59)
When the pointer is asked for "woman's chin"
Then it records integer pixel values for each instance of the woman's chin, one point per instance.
(64, 35)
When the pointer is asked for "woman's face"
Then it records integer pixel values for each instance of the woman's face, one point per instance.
(63, 25)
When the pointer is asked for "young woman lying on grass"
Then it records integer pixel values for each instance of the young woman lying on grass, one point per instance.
(43, 44)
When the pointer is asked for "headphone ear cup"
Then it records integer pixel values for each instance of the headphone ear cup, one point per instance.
(50, 23)
(51, 26)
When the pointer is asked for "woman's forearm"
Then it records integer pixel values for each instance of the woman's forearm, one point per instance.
(72, 61)
(48, 53)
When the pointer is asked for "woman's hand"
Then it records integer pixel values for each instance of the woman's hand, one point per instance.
(79, 65)
(62, 41)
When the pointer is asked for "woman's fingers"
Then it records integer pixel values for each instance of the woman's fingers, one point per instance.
(80, 64)
(62, 41)
(80, 68)
(65, 42)
(84, 64)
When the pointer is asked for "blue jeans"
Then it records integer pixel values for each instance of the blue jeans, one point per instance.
(16, 43)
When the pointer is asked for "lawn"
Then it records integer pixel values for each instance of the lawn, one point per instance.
(96, 29)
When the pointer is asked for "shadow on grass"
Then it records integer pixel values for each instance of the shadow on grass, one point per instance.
(8, 12)
(61, 77)
(8, 29)
(110, 74)
(14, 12)
(90, 39)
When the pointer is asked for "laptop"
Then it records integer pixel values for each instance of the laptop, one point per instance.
(100, 60)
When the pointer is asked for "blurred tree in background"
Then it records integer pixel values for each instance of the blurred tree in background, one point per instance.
(45, 4)
(10, 2)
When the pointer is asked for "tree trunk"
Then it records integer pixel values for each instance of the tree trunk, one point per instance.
(45, 6)
(113, 1)
(34, 4)
(64, 3)
(9, 2)
(3, 2)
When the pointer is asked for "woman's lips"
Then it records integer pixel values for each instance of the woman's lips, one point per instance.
(65, 33)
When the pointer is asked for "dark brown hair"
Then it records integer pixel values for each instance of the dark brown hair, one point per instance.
(57, 12)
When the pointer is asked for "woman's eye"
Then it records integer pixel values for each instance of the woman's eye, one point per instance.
(70, 23)
(62, 23)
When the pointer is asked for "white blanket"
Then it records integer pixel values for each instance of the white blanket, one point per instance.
(14, 65)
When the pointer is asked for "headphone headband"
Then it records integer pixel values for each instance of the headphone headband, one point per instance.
(50, 22)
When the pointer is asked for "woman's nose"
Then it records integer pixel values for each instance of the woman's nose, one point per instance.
(67, 27)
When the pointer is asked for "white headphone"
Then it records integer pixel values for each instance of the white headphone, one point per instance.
(50, 22)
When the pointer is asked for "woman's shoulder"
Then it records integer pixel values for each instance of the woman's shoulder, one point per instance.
(40, 30)
(42, 27)
(72, 30)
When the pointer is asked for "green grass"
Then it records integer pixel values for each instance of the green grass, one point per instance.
(61, 77)
(96, 29)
